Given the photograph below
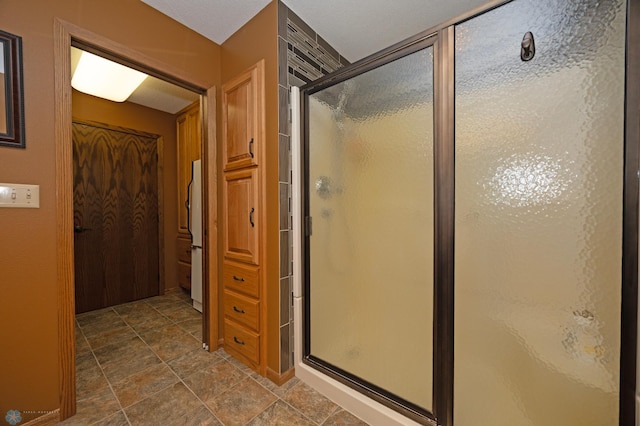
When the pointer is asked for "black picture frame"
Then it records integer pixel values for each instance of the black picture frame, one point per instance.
(11, 91)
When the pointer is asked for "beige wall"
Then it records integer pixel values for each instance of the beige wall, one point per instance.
(141, 118)
(257, 40)
(29, 330)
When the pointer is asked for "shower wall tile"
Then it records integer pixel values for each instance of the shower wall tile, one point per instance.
(284, 206)
(303, 56)
(284, 254)
(283, 110)
(285, 348)
(326, 47)
(295, 81)
(285, 300)
(282, 61)
(284, 158)
(283, 17)
(300, 25)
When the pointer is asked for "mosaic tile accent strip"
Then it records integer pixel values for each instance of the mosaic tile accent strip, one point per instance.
(303, 56)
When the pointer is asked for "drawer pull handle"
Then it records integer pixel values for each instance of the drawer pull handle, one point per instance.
(238, 278)
(240, 311)
(251, 217)
(251, 147)
(240, 342)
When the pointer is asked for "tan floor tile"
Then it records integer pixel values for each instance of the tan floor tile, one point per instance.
(214, 380)
(82, 346)
(342, 417)
(192, 325)
(242, 403)
(141, 316)
(169, 342)
(182, 312)
(124, 358)
(175, 405)
(107, 337)
(143, 384)
(280, 414)
(89, 378)
(278, 390)
(194, 361)
(117, 419)
(310, 402)
(93, 409)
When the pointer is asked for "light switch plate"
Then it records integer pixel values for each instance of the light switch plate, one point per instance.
(19, 195)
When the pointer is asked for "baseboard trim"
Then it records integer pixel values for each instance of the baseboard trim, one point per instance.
(48, 419)
(280, 379)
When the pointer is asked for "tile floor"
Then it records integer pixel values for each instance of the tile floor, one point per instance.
(141, 363)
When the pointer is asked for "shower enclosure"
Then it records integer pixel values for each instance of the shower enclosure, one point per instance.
(470, 234)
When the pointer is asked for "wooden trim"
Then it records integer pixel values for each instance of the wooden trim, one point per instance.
(66, 34)
(280, 378)
(109, 49)
(444, 200)
(211, 284)
(64, 222)
(629, 315)
(49, 419)
(162, 285)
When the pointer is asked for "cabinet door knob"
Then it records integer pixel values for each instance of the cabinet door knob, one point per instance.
(240, 311)
(240, 342)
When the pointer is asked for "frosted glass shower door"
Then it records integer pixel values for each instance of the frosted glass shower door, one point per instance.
(370, 197)
(538, 231)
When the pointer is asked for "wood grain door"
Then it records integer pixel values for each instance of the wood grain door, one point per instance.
(115, 201)
(241, 215)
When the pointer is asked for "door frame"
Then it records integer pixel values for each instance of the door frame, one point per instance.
(66, 35)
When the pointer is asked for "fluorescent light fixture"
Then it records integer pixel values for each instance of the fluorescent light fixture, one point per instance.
(101, 77)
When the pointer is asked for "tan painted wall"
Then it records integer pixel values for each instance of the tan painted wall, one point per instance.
(138, 117)
(28, 318)
(258, 39)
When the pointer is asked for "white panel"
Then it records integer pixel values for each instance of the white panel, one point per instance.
(19, 195)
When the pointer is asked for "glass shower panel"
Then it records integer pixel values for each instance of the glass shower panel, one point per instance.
(538, 246)
(371, 250)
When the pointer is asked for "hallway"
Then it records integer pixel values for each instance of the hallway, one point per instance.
(141, 363)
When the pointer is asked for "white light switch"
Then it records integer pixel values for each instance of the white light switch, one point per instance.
(19, 195)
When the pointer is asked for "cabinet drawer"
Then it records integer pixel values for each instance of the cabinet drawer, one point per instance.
(242, 340)
(242, 309)
(241, 278)
(184, 250)
(184, 275)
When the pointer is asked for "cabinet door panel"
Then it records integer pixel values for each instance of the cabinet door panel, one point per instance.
(242, 101)
(188, 141)
(241, 216)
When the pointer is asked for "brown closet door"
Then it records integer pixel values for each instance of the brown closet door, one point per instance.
(115, 216)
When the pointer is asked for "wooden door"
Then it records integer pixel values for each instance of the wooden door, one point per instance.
(241, 117)
(241, 215)
(115, 198)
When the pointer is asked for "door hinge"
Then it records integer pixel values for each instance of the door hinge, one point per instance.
(308, 228)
